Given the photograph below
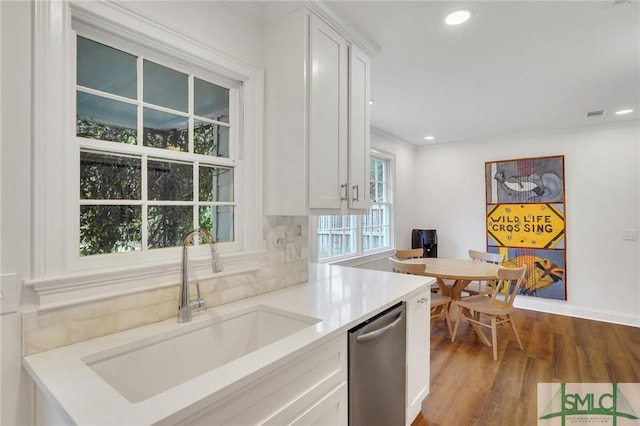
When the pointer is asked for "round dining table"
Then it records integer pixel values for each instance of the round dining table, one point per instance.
(462, 272)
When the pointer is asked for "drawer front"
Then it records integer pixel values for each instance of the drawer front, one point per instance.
(281, 396)
(330, 410)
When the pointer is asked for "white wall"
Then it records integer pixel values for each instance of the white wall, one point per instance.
(15, 230)
(405, 183)
(212, 22)
(602, 185)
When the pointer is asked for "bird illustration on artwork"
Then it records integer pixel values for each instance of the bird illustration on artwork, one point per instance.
(534, 187)
(513, 184)
(541, 273)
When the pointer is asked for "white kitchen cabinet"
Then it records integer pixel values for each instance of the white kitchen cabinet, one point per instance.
(328, 115)
(359, 128)
(417, 354)
(316, 141)
(308, 388)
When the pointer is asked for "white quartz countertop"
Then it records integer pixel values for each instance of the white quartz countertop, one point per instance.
(340, 297)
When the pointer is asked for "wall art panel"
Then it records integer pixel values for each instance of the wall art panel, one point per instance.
(525, 201)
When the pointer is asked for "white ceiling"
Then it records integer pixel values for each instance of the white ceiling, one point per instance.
(517, 68)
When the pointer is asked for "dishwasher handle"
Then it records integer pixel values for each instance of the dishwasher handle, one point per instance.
(379, 332)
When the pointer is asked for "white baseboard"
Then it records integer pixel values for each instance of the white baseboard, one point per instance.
(561, 307)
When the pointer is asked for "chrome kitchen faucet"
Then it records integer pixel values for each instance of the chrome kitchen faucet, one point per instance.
(185, 304)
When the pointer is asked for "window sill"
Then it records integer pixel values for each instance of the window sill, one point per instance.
(74, 289)
(361, 260)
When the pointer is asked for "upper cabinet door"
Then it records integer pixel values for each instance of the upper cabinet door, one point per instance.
(359, 128)
(328, 115)
(316, 113)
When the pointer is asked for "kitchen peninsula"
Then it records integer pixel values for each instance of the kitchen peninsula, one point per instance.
(300, 376)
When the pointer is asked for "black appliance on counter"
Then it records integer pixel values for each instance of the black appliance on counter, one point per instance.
(427, 239)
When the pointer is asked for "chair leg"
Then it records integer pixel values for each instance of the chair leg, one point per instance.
(435, 316)
(447, 319)
(494, 337)
(515, 330)
(455, 329)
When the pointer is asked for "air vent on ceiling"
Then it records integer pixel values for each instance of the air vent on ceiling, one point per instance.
(596, 113)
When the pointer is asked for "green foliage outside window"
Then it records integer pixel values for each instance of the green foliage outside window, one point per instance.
(91, 130)
(110, 229)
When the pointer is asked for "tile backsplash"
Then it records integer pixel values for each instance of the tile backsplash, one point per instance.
(286, 244)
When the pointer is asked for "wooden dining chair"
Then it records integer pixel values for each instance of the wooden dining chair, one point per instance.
(409, 253)
(483, 287)
(406, 268)
(439, 303)
(498, 307)
(484, 256)
(416, 253)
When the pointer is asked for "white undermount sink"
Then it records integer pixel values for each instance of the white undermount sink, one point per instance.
(155, 364)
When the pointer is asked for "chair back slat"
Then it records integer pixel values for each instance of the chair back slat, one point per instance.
(484, 286)
(407, 268)
(509, 282)
(484, 256)
(409, 253)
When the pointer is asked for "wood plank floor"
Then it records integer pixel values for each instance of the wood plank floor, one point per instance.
(469, 388)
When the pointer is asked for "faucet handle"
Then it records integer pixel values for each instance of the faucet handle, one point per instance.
(199, 301)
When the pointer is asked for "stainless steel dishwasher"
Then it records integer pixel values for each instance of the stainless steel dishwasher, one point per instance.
(377, 359)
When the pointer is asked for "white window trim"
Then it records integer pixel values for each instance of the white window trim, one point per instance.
(56, 277)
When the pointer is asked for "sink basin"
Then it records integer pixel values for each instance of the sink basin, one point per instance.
(155, 364)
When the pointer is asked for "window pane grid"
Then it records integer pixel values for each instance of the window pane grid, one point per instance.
(376, 230)
(214, 112)
(342, 236)
(107, 147)
(337, 235)
(106, 95)
(157, 131)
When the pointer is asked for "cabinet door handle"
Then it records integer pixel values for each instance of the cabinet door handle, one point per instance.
(356, 191)
(346, 192)
(422, 300)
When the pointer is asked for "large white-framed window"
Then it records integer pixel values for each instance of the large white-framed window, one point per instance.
(343, 236)
(158, 149)
(213, 162)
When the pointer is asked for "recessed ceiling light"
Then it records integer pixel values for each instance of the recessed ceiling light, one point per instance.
(458, 17)
(596, 113)
(370, 101)
(429, 138)
(624, 111)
